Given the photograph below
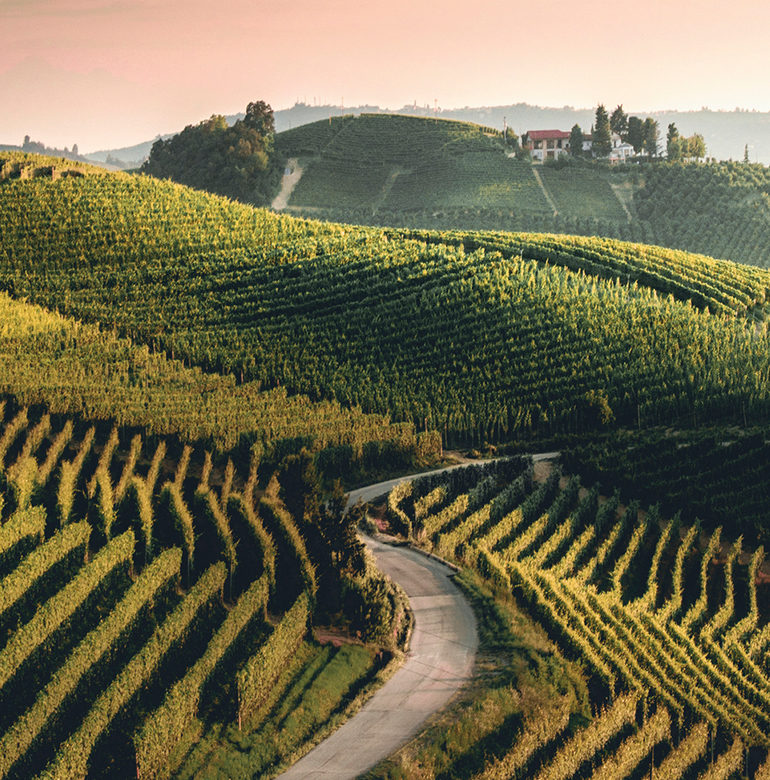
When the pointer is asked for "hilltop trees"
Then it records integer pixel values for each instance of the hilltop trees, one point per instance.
(673, 144)
(238, 161)
(602, 136)
(678, 147)
(576, 141)
(650, 135)
(619, 121)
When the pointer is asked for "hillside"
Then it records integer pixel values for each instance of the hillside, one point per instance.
(444, 175)
(726, 132)
(668, 623)
(508, 337)
(149, 592)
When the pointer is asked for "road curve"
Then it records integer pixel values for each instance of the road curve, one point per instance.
(374, 491)
(440, 661)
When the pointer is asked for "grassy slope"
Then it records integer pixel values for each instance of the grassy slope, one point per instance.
(481, 343)
(452, 175)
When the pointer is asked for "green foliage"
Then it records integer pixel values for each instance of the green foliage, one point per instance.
(602, 137)
(62, 605)
(164, 729)
(18, 740)
(238, 161)
(726, 480)
(690, 651)
(73, 756)
(25, 585)
(19, 535)
(261, 670)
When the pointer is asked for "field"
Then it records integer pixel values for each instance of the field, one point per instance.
(582, 334)
(183, 377)
(444, 175)
(150, 593)
(669, 621)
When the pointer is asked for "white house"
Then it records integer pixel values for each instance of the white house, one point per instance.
(546, 144)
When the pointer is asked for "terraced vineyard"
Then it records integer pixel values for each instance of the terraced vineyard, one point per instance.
(481, 344)
(669, 622)
(147, 591)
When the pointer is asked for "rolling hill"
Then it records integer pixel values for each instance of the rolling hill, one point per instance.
(480, 337)
(439, 174)
(158, 584)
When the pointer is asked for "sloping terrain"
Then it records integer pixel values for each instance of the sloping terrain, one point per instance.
(423, 173)
(669, 624)
(479, 343)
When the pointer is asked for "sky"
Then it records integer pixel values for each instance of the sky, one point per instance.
(111, 73)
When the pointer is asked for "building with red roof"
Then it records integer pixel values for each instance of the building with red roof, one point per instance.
(546, 144)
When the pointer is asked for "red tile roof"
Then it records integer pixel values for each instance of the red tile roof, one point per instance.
(546, 135)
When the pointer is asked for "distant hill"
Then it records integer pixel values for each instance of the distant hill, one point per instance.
(726, 132)
(441, 174)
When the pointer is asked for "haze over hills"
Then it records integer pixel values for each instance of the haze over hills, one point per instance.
(726, 132)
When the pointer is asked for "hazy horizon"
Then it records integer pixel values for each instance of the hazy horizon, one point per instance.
(112, 73)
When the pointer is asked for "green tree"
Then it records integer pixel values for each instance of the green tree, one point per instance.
(696, 146)
(635, 134)
(259, 117)
(650, 135)
(602, 137)
(619, 121)
(746, 154)
(576, 141)
(673, 144)
(238, 161)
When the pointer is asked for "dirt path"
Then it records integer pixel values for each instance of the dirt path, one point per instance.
(288, 183)
(440, 661)
(545, 191)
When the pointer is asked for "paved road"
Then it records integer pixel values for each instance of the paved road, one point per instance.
(439, 663)
(440, 660)
(373, 491)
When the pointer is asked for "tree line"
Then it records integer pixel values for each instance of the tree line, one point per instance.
(642, 134)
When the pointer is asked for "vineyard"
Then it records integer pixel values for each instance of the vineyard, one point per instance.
(502, 338)
(670, 623)
(455, 176)
(149, 591)
(716, 478)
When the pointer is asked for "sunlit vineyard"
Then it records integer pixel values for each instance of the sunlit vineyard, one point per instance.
(669, 621)
(479, 344)
(147, 590)
(96, 374)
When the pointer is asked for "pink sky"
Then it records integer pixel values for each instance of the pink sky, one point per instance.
(108, 73)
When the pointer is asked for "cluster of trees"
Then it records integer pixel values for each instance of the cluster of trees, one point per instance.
(680, 148)
(642, 134)
(240, 162)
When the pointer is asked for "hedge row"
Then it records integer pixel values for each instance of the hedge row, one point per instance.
(30, 727)
(52, 615)
(260, 672)
(282, 526)
(25, 581)
(165, 728)
(73, 756)
(20, 534)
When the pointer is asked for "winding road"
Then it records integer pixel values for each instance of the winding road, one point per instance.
(439, 662)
